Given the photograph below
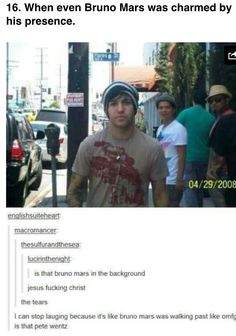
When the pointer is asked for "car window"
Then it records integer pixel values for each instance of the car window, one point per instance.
(11, 130)
(21, 130)
(24, 129)
(52, 116)
(30, 134)
(38, 127)
(8, 132)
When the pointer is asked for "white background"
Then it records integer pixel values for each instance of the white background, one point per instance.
(190, 253)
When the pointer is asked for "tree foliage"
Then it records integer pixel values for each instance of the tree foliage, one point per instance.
(183, 73)
(191, 68)
(162, 68)
(55, 105)
(188, 71)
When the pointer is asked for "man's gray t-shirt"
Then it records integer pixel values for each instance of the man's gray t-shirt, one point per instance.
(119, 171)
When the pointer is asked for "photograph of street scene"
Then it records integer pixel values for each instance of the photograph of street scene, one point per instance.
(121, 124)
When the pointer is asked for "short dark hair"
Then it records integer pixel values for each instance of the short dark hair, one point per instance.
(199, 97)
(165, 97)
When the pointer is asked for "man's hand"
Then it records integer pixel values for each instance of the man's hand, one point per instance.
(179, 185)
(216, 163)
(159, 192)
(181, 151)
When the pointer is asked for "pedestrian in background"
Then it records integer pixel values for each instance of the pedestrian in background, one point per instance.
(198, 122)
(222, 141)
(32, 116)
(173, 139)
(225, 146)
(120, 161)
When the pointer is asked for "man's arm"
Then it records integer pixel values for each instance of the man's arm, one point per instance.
(219, 142)
(159, 193)
(181, 150)
(216, 163)
(75, 194)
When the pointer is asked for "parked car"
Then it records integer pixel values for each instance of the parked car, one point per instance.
(52, 115)
(41, 126)
(23, 159)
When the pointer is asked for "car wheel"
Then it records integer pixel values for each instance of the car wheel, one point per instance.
(36, 184)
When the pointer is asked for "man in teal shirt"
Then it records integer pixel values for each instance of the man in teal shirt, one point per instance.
(198, 123)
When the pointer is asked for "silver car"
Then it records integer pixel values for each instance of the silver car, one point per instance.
(40, 126)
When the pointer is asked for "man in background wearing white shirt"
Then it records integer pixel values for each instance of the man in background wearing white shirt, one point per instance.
(173, 139)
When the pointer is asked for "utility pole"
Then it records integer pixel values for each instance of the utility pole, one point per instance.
(112, 49)
(59, 92)
(41, 78)
(78, 83)
(9, 65)
(7, 79)
(112, 63)
(17, 96)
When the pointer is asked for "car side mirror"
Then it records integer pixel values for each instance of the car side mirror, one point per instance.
(40, 135)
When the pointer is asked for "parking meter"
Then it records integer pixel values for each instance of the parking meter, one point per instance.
(53, 148)
(53, 144)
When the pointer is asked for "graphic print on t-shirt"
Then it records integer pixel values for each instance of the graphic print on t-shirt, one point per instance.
(116, 168)
(166, 144)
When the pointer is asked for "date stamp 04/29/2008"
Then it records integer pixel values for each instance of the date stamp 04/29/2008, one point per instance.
(209, 184)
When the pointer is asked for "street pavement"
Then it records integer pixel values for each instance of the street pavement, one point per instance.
(47, 201)
(43, 197)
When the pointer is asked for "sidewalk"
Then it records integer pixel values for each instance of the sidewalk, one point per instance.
(47, 202)
(61, 194)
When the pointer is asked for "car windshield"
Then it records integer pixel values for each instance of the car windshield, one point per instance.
(52, 116)
(41, 127)
(38, 127)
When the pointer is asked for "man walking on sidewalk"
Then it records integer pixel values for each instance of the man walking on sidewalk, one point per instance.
(173, 139)
(120, 160)
(198, 123)
(222, 163)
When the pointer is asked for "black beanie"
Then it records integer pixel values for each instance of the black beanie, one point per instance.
(115, 89)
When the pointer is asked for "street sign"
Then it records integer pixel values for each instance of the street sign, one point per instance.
(106, 57)
(75, 99)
